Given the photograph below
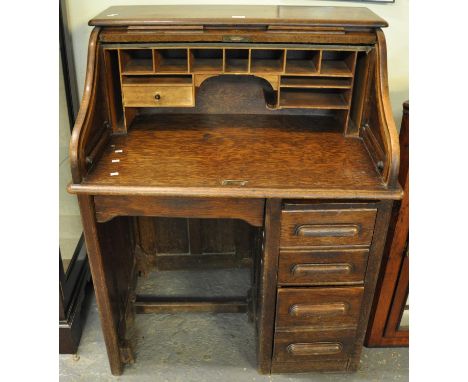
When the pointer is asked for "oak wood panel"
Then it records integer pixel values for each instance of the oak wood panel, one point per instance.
(373, 266)
(318, 307)
(226, 14)
(166, 80)
(180, 34)
(250, 210)
(155, 304)
(82, 126)
(379, 120)
(301, 366)
(254, 146)
(267, 282)
(296, 98)
(171, 235)
(315, 82)
(106, 292)
(390, 295)
(320, 267)
(177, 243)
(327, 227)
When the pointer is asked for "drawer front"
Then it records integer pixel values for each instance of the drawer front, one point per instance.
(321, 267)
(310, 346)
(157, 96)
(327, 227)
(306, 366)
(318, 307)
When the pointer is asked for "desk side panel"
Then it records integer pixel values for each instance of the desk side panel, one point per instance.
(379, 132)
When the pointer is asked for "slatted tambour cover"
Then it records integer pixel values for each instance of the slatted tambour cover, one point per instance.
(239, 15)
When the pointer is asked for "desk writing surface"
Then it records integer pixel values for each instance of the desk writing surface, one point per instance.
(268, 152)
(238, 14)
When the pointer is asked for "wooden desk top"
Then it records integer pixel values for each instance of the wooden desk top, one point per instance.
(235, 14)
(278, 156)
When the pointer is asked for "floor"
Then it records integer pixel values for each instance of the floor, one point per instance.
(203, 347)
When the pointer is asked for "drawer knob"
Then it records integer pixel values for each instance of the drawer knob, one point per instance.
(157, 96)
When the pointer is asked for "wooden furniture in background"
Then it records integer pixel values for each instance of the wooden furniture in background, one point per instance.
(73, 283)
(74, 274)
(273, 124)
(392, 290)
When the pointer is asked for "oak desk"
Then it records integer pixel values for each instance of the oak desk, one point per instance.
(277, 118)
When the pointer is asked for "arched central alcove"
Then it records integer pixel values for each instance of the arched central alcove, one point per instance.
(227, 94)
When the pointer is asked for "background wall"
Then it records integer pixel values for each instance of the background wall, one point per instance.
(396, 14)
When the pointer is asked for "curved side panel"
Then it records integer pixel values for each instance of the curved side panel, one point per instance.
(387, 123)
(82, 124)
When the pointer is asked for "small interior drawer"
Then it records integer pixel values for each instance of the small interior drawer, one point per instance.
(157, 96)
(313, 345)
(322, 267)
(314, 307)
(327, 227)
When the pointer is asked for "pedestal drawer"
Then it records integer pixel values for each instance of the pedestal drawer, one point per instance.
(314, 307)
(327, 227)
(321, 267)
(157, 96)
(313, 345)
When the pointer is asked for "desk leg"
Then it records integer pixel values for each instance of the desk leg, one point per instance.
(267, 287)
(107, 295)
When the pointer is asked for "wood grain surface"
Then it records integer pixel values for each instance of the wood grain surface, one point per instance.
(319, 267)
(318, 307)
(148, 15)
(291, 153)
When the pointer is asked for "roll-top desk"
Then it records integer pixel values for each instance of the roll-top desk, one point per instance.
(277, 117)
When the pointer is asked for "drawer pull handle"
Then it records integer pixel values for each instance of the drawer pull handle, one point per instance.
(308, 310)
(310, 269)
(234, 182)
(317, 230)
(318, 348)
(157, 96)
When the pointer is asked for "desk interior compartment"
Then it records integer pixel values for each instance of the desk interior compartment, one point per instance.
(136, 61)
(162, 80)
(309, 98)
(206, 60)
(236, 61)
(171, 60)
(267, 61)
(316, 82)
(302, 61)
(338, 63)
